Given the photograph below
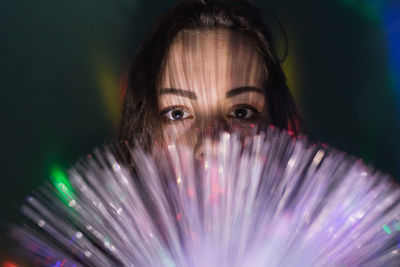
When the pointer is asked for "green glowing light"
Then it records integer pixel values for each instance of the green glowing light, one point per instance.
(371, 9)
(166, 260)
(60, 181)
(387, 229)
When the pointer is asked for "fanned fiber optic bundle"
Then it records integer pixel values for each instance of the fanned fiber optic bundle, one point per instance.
(267, 200)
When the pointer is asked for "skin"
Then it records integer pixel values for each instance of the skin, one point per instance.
(212, 79)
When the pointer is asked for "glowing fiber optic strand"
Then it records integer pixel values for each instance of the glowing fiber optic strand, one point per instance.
(269, 199)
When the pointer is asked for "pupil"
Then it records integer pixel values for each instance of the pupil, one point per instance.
(177, 114)
(241, 113)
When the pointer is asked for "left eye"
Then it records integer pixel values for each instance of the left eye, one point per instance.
(244, 112)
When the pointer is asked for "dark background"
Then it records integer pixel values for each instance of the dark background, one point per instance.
(62, 63)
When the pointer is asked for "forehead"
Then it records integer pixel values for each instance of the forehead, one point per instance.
(218, 59)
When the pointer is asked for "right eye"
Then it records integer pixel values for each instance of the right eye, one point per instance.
(175, 113)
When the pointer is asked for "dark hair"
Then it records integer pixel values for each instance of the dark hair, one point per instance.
(140, 111)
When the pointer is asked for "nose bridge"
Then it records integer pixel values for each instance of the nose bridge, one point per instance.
(209, 129)
(210, 126)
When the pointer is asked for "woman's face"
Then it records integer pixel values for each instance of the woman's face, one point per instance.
(212, 79)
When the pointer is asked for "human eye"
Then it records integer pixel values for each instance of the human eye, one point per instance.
(175, 113)
(244, 112)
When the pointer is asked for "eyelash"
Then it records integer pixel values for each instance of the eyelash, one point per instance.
(245, 106)
(165, 113)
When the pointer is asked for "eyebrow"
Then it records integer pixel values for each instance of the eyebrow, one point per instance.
(180, 92)
(230, 93)
(243, 89)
